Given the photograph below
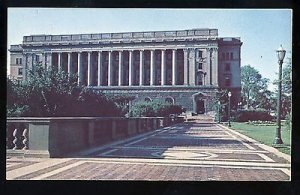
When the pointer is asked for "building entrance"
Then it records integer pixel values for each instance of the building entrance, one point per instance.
(200, 107)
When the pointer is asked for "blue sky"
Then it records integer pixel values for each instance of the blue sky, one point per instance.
(261, 31)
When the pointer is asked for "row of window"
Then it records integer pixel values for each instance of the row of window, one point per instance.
(18, 60)
(227, 56)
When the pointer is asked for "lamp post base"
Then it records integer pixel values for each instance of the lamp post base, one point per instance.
(277, 141)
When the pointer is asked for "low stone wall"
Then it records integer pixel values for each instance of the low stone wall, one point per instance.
(58, 136)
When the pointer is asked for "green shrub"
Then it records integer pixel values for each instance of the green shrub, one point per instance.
(154, 108)
(251, 115)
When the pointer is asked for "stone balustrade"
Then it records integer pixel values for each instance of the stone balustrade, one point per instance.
(59, 136)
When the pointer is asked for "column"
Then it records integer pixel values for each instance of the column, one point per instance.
(121, 68)
(215, 67)
(163, 67)
(100, 69)
(90, 69)
(208, 65)
(142, 68)
(110, 69)
(186, 67)
(70, 63)
(79, 68)
(174, 67)
(25, 61)
(59, 63)
(44, 60)
(32, 61)
(152, 67)
(49, 64)
(131, 71)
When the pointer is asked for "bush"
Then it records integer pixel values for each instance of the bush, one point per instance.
(251, 115)
(154, 108)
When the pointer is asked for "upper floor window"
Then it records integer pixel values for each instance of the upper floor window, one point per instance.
(37, 58)
(227, 67)
(200, 54)
(20, 60)
(17, 60)
(169, 56)
(227, 56)
(223, 56)
(231, 56)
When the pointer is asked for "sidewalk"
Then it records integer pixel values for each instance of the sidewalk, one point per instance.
(198, 150)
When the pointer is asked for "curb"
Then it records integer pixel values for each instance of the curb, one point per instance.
(263, 146)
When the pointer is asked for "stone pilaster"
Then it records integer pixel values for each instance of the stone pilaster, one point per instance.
(121, 68)
(142, 68)
(163, 67)
(90, 69)
(174, 67)
(70, 63)
(208, 66)
(79, 58)
(131, 68)
(215, 66)
(192, 68)
(110, 69)
(185, 67)
(152, 67)
(100, 68)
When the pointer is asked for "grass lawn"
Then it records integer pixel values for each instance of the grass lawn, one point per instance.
(264, 134)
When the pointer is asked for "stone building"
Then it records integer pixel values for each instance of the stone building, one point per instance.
(185, 67)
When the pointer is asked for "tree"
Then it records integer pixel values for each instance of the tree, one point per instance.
(55, 93)
(254, 86)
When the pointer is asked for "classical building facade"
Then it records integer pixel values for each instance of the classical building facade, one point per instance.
(185, 67)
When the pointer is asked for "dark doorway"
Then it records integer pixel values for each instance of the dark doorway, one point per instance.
(200, 107)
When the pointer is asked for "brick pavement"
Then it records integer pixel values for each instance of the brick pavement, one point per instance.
(197, 150)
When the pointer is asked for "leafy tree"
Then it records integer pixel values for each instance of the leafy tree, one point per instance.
(254, 86)
(55, 93)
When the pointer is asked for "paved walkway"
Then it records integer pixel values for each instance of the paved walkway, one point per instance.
(195, 151)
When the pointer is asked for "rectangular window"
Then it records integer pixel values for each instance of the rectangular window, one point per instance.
(200, 66)
(231, 56)
(227, 56)
(200, 54)
(20, 60)
(223, 56)
(37, 58)
(17, 60)
(20, 71)
(227, 67)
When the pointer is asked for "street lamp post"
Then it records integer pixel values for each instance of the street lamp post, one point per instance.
(219, 114)
(229, 95)
(280, 54)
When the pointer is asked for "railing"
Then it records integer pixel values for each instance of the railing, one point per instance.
(54, 137)
(17, 135)
(125, 35)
